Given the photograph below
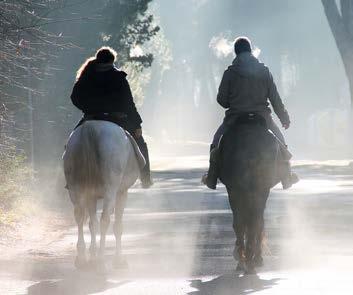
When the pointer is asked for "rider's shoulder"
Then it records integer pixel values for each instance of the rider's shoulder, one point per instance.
(119, 73)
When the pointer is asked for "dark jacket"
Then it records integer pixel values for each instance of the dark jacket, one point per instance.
(104, 89)
(247, 86)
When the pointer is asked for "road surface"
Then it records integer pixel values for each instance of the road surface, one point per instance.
(178, 239)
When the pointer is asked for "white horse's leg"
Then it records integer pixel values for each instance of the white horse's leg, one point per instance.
(108, 208)
(93, 224)
(120, 203)
(79, 212)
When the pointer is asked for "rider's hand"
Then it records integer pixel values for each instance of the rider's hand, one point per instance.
(138, 133)
(285, 126)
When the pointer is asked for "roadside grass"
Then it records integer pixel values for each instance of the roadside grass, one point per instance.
(16, 195)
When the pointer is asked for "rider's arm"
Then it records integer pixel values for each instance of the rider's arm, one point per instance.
(277, 103)
(129, 106)
(76, 96)
(223, 91)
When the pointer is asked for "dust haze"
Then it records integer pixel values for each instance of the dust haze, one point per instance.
(178, 235)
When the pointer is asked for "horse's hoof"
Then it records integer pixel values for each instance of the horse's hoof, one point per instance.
(80, 263)
(236, 255)
(120, 263)
(250, 271)
(240, 267)
(258, 261)
(100, 267)
(93, 263)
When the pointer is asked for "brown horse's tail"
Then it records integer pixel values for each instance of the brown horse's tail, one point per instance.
(83, 163)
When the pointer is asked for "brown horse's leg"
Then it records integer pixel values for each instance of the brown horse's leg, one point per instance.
(258, 260)
(260, 230)
(250, 243)
(119, 261)
(238, 226)
(255, 230)
(250, 211)
(239, 250)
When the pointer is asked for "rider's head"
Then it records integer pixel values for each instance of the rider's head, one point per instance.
(242, 44)
(106, 55)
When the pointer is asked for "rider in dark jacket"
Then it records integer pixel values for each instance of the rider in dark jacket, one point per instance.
(247, 86)
(102, 92)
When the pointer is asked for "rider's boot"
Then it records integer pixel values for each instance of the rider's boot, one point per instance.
(288, 178)
(210, 179)
(145, 173)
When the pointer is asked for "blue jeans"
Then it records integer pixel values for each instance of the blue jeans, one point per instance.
(270, 124)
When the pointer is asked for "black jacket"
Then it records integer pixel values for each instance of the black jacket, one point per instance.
(105, 91)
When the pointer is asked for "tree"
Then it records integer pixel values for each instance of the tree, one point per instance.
(341, 24)
(24, 42)
(25, 48)
(124, 25)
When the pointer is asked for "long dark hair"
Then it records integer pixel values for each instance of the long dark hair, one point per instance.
(104, 54)
(86, 68)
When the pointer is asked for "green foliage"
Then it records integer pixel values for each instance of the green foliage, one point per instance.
(130, 25)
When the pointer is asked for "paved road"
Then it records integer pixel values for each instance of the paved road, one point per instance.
(178, 239)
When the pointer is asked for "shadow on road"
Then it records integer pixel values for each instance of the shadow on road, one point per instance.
(233, 284)
(76, 283)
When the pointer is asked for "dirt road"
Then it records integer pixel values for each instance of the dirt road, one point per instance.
(178, 239)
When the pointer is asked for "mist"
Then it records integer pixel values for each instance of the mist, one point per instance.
(178, 236)
(302, 57)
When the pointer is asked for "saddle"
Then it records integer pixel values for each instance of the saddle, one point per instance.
(117, 118)
(121, 120)
(256, 119)
(250, 119)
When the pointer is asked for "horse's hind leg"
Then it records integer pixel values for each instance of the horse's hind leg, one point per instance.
(250, 245)
(79, 212)
(119, 261)
(108, 203)
(93, 224)
(258, 260)
(239, 249)
(260, 234)
(238, 252)
(254, 233)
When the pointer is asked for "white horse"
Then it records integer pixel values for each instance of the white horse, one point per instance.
(99, 162)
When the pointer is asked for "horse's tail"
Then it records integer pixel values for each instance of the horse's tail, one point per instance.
(86, 163)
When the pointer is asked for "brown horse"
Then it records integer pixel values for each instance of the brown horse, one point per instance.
(248, 157)
(99, 162)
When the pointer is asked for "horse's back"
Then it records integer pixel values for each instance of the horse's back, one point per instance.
(96, 156)
(248, 157)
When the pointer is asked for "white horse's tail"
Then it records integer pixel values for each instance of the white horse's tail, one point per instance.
(84, 166)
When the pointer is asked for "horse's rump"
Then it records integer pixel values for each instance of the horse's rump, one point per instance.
(96, 157)
(248, 157)
(82, 162)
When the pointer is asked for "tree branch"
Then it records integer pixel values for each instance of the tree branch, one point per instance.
(340, 34)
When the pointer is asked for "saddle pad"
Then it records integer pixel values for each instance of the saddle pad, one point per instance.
(140, 158)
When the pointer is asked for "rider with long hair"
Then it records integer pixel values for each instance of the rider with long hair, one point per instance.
(102, 92)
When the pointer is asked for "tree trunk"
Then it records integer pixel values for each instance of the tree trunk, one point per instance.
(342, 29)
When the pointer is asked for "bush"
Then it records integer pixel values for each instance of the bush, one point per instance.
(15, 179)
